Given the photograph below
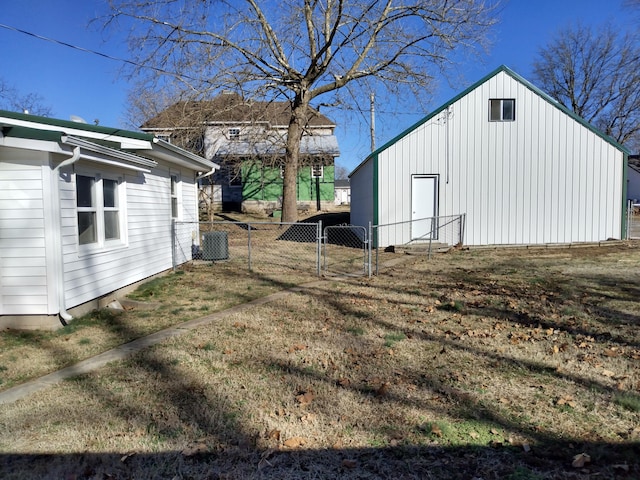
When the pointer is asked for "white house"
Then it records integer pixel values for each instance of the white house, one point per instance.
(85, 211)
(522, 168)
(342, 192)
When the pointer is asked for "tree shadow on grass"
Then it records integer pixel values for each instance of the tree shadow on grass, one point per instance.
(546, 461)
(235, 454)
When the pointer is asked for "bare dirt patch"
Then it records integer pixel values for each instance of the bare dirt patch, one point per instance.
(508, 364)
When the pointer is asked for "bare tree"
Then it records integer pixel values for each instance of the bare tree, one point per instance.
(594, 73)
(299, 50)
(14, 100)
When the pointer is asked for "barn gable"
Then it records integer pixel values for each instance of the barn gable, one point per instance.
(521, 167)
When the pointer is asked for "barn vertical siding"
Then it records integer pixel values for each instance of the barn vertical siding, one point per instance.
(543, 178)
(23, 246)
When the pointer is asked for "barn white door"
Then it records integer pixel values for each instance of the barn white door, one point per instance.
(424, 205)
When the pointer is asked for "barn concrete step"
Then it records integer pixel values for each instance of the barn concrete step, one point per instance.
(420, 248)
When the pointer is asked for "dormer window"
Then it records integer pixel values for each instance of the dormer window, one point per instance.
(234, 133)
(502, 110)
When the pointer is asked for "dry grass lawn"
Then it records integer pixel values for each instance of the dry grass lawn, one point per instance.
(477, 364)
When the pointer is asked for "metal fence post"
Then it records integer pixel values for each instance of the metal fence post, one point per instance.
(628, 225)
(249, 244)
(433, 230)
(369, 242)
(319, 248)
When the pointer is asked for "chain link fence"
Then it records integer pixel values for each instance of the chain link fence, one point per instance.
(427, 236)
(346, 250)
(633, 220)
(282, 248)
(258, 246)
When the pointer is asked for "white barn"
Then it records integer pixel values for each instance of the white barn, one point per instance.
(85, 211)
(522, 168)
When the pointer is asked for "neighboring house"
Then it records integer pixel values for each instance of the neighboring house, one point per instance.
(85, 211)
(342, 192)
(522, 168)
(247, 138)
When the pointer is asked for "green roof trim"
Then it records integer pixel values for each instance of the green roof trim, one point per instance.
(522, 80)
(29, 133)
(77, 125)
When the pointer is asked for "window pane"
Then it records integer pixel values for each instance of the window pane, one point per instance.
(87, 227)
(494, 114)
(111, 225)
(109, 192)
(84, 191)
(174, 181)
(508, 110)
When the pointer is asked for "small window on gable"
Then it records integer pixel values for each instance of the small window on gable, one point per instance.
(502, 109)
(234, 133)
(316, 171)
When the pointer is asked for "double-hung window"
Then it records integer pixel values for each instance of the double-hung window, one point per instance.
(502, 110)
(99, 211)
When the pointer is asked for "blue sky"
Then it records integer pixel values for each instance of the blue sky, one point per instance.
(77, 83)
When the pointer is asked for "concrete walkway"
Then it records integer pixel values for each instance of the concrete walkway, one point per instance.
(128, 349)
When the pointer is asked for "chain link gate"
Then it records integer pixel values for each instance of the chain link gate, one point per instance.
(346, 250)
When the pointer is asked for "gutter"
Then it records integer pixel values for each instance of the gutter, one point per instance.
(64, 315)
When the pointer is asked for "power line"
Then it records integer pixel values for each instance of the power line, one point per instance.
(94, 52)
(139, 65)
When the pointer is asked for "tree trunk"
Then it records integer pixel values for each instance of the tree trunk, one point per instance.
(292, 156)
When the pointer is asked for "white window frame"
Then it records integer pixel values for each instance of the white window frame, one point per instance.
(234, 133)
(98, 208)
(315, 173)
(501, 104)
(175, 195)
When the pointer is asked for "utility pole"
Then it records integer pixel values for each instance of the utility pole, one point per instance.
(373, 122)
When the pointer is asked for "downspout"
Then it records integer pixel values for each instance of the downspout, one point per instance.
(64, 315)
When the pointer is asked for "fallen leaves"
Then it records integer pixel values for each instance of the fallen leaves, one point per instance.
(195, 449)
(295, 442)
(298, 347)
(436, 430)
(580, 460)
(305, 397)
(350, 464)
(343, 382)
(566, 400)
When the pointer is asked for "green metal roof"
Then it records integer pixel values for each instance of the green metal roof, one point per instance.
(526, 83)
(77, 125)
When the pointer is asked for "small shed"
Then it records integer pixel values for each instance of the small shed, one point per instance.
(85, 211)
(523, 170)
(342, 191)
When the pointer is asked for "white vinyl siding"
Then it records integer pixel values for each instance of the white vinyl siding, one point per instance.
(148, 249)
(23, 246)
(545, 178)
